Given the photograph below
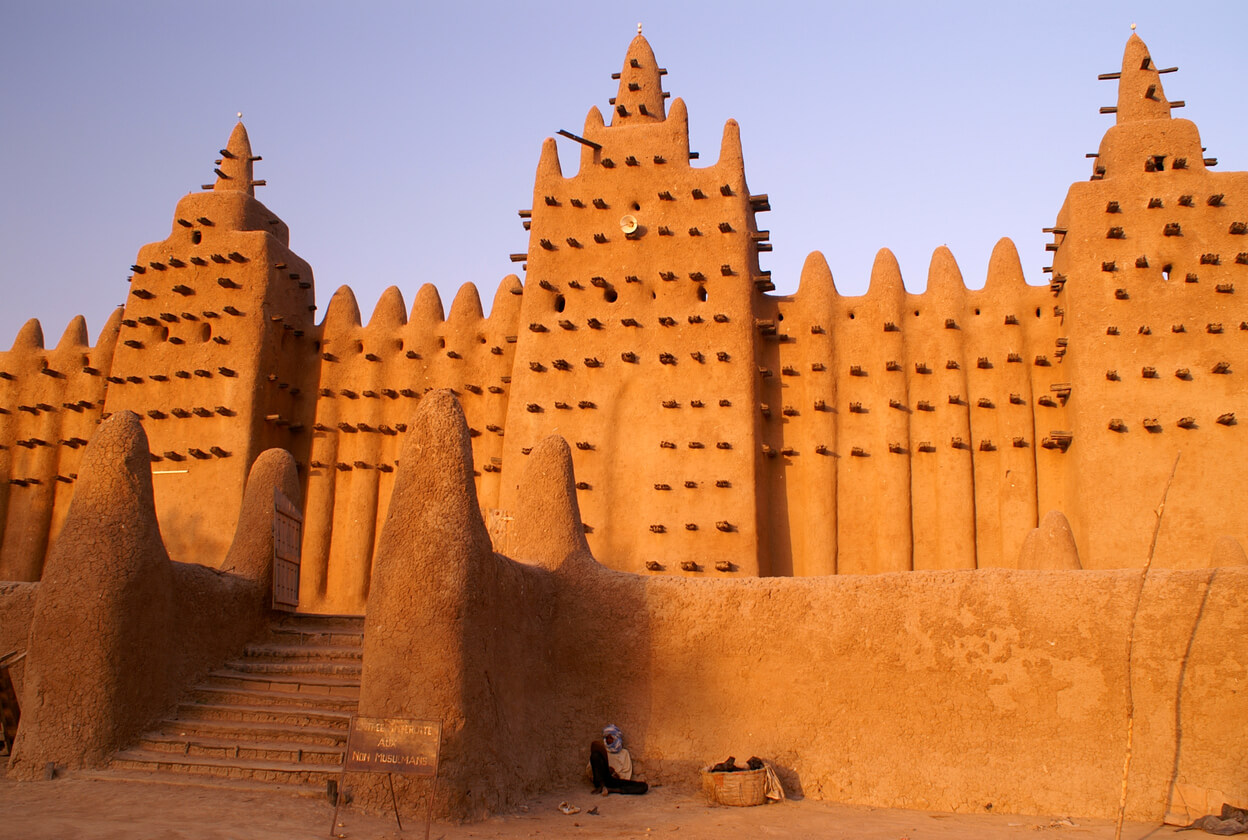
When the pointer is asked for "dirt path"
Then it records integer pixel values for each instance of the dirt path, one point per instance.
(85, 809)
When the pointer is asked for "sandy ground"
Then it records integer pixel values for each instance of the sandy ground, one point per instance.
(88, 809)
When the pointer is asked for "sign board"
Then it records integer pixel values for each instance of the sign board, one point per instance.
(393, 745)
(287, 542)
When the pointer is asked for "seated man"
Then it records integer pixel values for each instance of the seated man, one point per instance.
(611, 766)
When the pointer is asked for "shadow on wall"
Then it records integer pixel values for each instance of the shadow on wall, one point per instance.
(117, 628)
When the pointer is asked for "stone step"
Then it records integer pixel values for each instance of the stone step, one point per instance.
(196, 746)
(192, 780)
(302, 653)
(320, 684)
(337, 669)
(213, 695)
(282, 715)
(241, 731)
(280, 772)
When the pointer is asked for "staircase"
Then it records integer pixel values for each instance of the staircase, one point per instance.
(276, 717)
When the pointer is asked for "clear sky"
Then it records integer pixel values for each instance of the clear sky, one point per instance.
(399, 139)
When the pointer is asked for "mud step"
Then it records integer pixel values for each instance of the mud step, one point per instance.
(192, 780)
(302, 653)
(228, 696)
(281, 715)
(318, 623)
(285, 751)
(320, 684)
(330, 636)
(315, 625)
(337, 669)
(241, 731)
(281, 772)
(275, 718)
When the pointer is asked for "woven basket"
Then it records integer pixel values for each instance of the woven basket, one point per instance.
(744, 787)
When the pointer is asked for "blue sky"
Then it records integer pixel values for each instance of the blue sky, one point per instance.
(399, 139)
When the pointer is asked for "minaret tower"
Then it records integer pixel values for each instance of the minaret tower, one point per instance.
(210, 345)
(1151, 269)
(637, 337)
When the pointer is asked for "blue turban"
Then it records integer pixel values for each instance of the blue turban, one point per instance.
(613, 738)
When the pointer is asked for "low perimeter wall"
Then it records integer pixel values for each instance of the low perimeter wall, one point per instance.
(956, 691)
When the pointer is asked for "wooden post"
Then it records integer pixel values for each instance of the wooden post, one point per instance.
(394, 801)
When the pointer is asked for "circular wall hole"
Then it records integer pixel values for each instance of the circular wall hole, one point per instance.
(636, 206)
(560, 303)
(610, 295)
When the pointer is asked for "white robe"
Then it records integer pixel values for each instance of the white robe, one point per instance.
(621, 763)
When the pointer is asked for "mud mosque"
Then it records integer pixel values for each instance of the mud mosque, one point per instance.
(640, 436)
